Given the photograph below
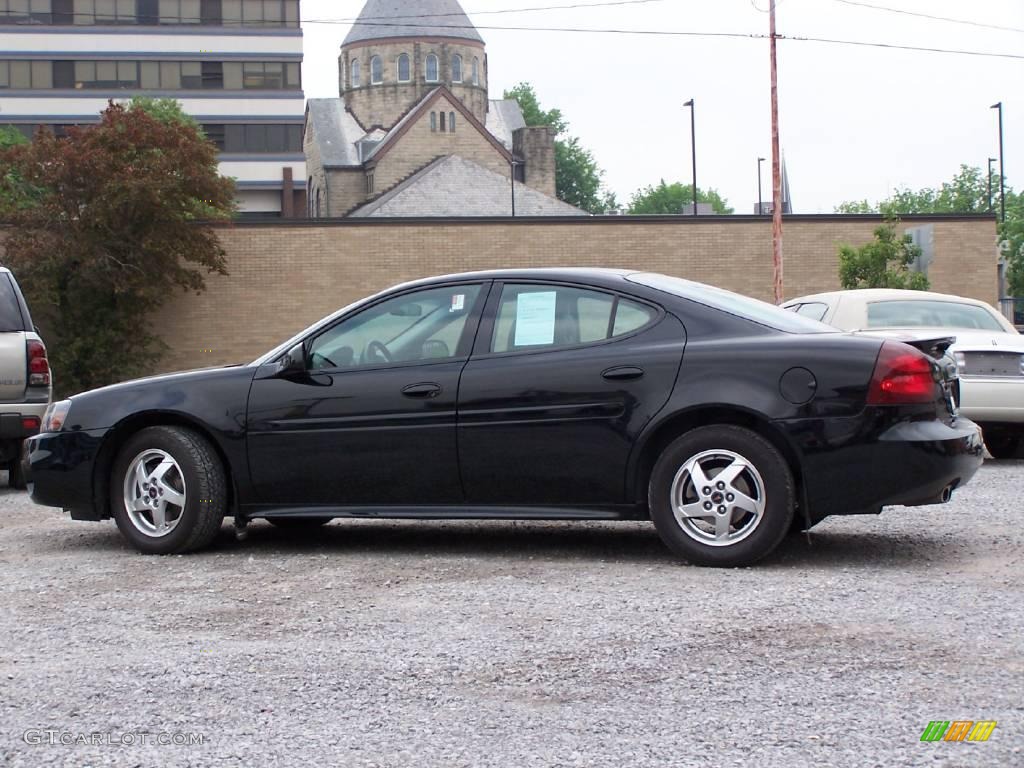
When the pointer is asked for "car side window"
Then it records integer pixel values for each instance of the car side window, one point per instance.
(813, 309)
(539, 316)
(422, 326)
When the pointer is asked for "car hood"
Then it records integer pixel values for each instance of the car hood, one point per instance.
(163, 379)
(966, 340)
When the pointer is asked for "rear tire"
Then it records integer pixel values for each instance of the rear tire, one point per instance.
(16, 475)
(725, 522)
(1002, 445)
(168, 491)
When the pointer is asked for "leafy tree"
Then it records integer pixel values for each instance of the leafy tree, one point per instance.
(118, 225)
(673, 198)
(577, 175)
(882, 263)
(966, 192)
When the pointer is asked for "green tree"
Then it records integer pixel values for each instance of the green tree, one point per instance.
(966, 192)
(882, 263)
(577, 175)
(120, 223)
(673, 198)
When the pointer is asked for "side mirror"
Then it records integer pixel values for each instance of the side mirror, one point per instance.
(294, 360)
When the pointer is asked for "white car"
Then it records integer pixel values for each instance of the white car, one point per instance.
(989, 351)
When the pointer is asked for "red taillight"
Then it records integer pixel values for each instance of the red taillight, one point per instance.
(902, 375)
(38, 365)
(30, 423)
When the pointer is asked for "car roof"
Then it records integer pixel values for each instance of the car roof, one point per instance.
(869, 295)
(598, 275)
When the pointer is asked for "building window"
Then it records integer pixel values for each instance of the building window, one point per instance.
(443, 129)
(451, 122)
(354, 70)
(149, 75)
(26, 74)
(476, 71)
(404, 76)
(369, 182)
(177, 12)
(262, 75)
(104, 12)
(431, 68)
(260, 13)
(258, 138)
(376, 70)
(456, 68)
(433, 122)
(22, 11)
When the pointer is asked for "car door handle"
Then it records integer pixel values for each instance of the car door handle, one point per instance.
(622, 372)
(425, 389)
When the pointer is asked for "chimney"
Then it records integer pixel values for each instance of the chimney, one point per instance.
(535, 145)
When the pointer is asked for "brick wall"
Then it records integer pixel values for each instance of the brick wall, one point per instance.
(286, 276)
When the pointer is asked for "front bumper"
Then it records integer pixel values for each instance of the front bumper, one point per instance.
(860, 470)
(60, 471)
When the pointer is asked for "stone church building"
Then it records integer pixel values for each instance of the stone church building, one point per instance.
(414, 132)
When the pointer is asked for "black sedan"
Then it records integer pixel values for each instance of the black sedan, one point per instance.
(528, 394)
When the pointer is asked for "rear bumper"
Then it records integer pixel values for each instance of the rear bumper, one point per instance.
(907, 463)
(60, 471)
(996, 399)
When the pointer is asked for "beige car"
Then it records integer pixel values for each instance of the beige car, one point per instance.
(989, 351)
(24, 377)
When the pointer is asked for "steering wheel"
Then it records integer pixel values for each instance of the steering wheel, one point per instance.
(377, 352)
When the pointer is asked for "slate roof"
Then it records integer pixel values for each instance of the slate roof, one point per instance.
(503, 118)
(335, 131)
(454, 186)
(412, 18)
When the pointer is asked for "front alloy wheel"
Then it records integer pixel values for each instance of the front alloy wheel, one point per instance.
(721, 495)
(168, 490)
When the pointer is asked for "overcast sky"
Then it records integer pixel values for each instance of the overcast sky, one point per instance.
(856, 122)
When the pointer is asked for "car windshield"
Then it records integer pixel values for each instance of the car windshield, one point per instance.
(760, 312)
(919, 313)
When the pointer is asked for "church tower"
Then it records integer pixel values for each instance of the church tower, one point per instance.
(400, 50)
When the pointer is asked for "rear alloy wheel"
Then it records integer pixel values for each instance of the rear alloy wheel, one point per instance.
(168, 491)
(721, 495)
(299, 523)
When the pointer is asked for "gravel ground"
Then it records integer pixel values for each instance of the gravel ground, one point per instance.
(508, 644)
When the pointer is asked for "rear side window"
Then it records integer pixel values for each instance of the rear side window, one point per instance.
(539, 316)
(813, 309)
(10, 308)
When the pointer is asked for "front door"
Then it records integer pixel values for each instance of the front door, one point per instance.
(372, 419)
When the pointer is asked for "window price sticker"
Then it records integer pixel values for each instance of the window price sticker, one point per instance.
(458, 302)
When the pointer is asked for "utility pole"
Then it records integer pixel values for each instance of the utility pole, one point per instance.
(776, 169)
(1002, 173)
(693, 148)
(990, 161)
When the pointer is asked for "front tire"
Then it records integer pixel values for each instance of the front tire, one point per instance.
(168, 491)
(722, 496)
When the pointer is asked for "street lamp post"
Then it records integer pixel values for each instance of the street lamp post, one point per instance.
(693, 148)
(760, 203)
(1002, 174)
(990, 161)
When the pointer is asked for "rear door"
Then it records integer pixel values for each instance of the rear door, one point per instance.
(13, 324)
(562, 380)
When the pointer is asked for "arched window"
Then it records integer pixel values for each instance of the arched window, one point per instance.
(433, 122)
(456, 68)
(431, 68)
(451, 122)
(443, 129)
(403, 68)
(476, 71)
(376, 70)
(354, 73)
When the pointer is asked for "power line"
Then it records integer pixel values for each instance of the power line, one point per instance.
(677, 33)
(949, 19)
